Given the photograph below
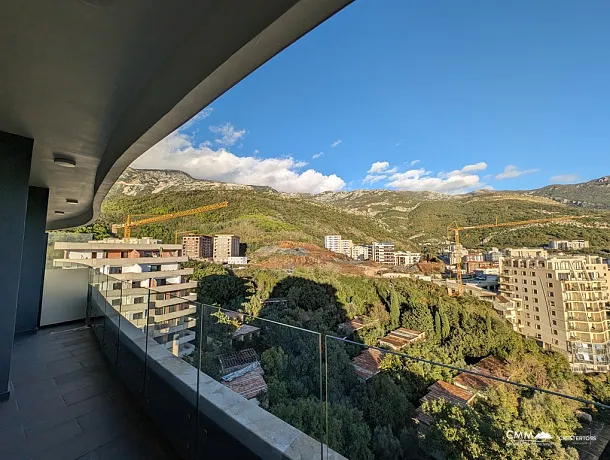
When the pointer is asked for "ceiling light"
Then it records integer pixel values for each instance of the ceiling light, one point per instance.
(71, 201)
(65, 162)
(59, 212)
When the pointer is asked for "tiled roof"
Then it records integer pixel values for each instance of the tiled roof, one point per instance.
(489, 365)
(245, 329)
(366, 364)
(449, 392)
(401, 337)
(356, 324)
(249, 385)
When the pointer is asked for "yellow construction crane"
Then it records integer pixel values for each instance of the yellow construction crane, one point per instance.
(150, 220)
(456, 236)
(185, 232)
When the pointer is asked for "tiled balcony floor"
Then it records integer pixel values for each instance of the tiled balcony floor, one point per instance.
(66, 404)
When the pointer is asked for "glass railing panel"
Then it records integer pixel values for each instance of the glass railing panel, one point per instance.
(111, 305)
(526, 406)
(171, 380)
(263, 364)
(132, 337)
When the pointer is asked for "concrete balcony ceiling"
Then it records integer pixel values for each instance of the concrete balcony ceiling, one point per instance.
(99, 82)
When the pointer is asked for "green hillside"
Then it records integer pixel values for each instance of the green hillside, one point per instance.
(410, 219)
(592, 194)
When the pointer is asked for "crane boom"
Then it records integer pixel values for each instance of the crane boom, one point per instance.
(457, 230)
(150, 220)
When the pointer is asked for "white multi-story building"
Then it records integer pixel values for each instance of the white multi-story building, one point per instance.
(383, 253)
(145, 284)
(493, 255)
(568, 245)
(225, 246)
(561, 302)
(346, 247)
(361, 252)
(333, 243)
(406, 258)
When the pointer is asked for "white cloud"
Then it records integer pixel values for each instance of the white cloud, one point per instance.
(378, 167)
(256, 152)
(177, 151)
(372, 178)
(466, 169)
(398, 143)
(564, 179)
(196, 118)
(336, 143)
(422, 180)
(414, 162)
(228, 134)
(317, 155)
(512, 172)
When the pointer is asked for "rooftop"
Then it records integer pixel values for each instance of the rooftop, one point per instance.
(401, 337)
(489, 365)
(366, 364)
(449, 392)
(250, 384)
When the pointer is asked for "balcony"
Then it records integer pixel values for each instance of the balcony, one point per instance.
(175, 300)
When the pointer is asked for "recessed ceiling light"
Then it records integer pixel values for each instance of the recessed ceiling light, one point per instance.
(59, 212)
(71, 201)
(65, 162)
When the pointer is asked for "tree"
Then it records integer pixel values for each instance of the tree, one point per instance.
(385, 444)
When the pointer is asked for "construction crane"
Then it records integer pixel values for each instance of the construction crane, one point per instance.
(185, 232)
(456, 236)
(129, 223)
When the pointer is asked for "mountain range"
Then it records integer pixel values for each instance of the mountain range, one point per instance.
(262, 215)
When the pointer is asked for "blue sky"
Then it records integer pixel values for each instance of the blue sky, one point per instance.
(447, 96)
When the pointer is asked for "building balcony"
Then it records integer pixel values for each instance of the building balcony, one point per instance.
(192, 310)
(149, 275)
(123, 262)
(191, 297)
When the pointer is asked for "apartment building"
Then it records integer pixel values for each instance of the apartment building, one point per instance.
(383, 253)
(333, 243)
(346, 247)
(198, 246)
(225, 246)
(145, 284)
(493, 255)
(560, 301)
(361, 252)
(568, 245)
(406, 258)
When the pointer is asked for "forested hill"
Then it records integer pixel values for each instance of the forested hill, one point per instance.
(261, 215)
(592, 194)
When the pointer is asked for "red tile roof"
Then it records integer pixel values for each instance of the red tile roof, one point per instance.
(249, 385)
(366, 364)
(448, 392)
(489, 365)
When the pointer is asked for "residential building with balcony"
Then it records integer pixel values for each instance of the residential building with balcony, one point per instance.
(361, 252)
(198, 246)
(225, 246)
(346, 247)
(562, 302)
(568, 245)
(333, 243)
(146, 280)
(383, 253)
(406, 258)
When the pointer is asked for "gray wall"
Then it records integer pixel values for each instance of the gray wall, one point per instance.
(32, 260)
(15, 159)
(65, 295)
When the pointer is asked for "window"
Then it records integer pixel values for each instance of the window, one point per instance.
(160, 296)
(549, 275)
(555, 332)
(158, 311)
(550, 285)
(538, 326)
(116, 286)
(524, 273)
(527, 298)
(536, 309)
(138, 300)
(535, 299)
(553, 313)
(535, 291)
(136, 284)
(524, 281)
(552, 303)
(527, 307)
(114, 270)
(534, 274)
(554, 323)
(527, 315)
(116, 302)
(538, 336)
(155, 268)
(529, 324)
(537, 318)
(556, 342)
(124, 254)
(139, 315)
(524, 289)
(551, 294)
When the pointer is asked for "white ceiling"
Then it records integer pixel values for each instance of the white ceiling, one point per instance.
(101, 85)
